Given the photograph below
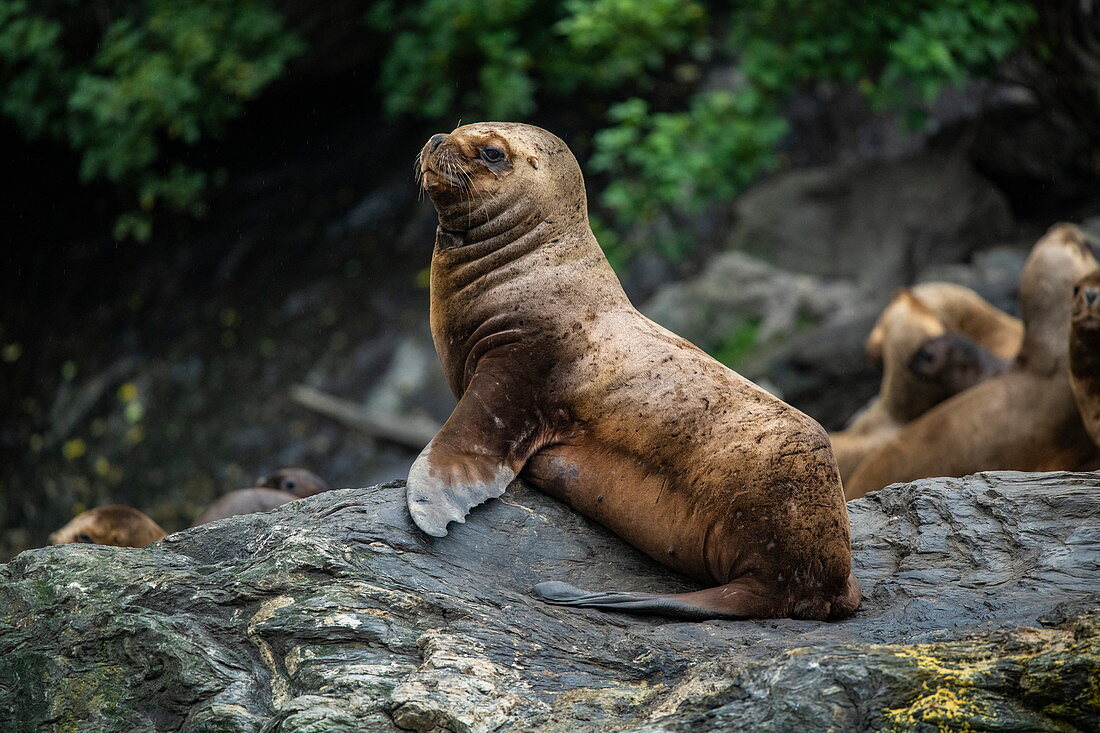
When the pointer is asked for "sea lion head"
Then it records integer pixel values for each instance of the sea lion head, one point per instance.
(1056, 262)
(297, 481)
(493, 178)
(117, 525)
(905, 323)
(955, 361)
(1086, 304)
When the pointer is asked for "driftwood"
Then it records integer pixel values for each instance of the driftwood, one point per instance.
(411, 432)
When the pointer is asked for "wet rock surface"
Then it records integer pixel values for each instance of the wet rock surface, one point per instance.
(981, 608)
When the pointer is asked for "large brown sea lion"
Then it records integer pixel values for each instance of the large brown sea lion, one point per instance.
(297, 481)
(117, 525)
(1025, 419)
(561, 381)
(1084, 351)
(244, 501)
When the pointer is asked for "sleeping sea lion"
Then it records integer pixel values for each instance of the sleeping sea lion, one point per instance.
(297, 481)
(116, 525)
(1025, 419)
(562, 382)
(244, 501)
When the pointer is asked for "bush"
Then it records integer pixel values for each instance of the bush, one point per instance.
(160, 78)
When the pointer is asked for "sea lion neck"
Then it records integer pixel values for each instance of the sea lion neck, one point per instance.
(1056, 262)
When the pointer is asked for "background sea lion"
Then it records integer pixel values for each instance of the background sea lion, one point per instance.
(1025, 419)
(244, 501)
(297, 481)
(962, 310)
(1084, 351)
(955, 362)
(559, 379)
(116, 525)
(904, 325)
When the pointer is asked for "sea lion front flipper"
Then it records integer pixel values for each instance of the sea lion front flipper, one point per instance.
(474, 456)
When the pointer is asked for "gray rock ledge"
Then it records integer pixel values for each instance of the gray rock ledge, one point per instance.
(982, 609)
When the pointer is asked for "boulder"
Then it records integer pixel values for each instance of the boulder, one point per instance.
(876, 222)
(981, 610)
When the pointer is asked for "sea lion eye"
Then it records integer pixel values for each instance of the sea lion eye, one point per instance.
(289, 484)
(492, 155)
(1076, 290)
(85, 539)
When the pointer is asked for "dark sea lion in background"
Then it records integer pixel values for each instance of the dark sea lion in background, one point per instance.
(1084, 351)
(561, 381)
(116, 525)
(1025, 419)
(244, 501)
(905, 324)
(954, 362)
(297, 481)
(962, 310)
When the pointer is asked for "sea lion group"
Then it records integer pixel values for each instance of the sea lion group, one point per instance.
(561, 382)
(1031, 416)
(123, 526)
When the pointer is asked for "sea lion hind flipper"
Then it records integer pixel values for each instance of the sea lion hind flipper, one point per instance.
(705, 604)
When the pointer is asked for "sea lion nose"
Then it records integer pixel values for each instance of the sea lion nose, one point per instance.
(1092, 295)
(436, 141)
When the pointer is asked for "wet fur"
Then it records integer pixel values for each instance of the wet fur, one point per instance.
(560, 380)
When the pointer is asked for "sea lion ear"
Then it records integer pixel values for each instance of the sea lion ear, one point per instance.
(533, 161)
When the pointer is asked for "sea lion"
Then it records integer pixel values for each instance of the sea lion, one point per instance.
(962, 310)
(244, 501)
(905, 324)
(115, 525)
(297, 481)
(562, 382)
(954, 362)
(1084, 351)
(1025, 419)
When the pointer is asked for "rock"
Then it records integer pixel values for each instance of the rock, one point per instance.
(735, 288)
(876, 222)
(982, 609)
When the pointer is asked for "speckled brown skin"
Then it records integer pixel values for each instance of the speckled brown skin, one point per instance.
(1025, 419)
(962, 310)
(560, 380)
(1084, 351)
(297, 481)
(244, 501)
(116, 525)
(904, 325)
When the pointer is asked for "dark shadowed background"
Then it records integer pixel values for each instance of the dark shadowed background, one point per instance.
(211, 204)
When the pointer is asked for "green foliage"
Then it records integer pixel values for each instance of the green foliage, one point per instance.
(707, 140)
(162, 77)
(686, 97)
(739, 344)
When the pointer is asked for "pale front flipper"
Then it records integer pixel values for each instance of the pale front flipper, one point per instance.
(475, 455)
